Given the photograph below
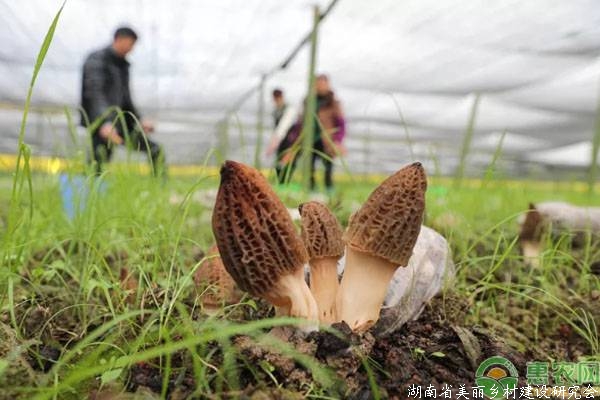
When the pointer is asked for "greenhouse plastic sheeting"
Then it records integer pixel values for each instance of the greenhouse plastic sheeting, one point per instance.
(407, 73)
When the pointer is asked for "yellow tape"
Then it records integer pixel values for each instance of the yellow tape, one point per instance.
(54, 165)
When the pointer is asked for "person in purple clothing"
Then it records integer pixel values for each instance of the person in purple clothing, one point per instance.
(329, 130)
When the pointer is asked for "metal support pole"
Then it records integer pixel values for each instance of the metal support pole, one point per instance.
(260, 122)
(223, 138)
(593, 171)
(466, 146)
(310, 108)
(311, 37)
(155, 72)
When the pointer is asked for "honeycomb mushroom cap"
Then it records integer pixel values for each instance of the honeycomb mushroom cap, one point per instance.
(321, 231)
(388, 223)
(254, 232)
(531, 229)
(213, 272)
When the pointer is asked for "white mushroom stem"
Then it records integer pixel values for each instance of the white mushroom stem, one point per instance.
(363, 289)
(531, 252)
(324, 286)
(291, 294)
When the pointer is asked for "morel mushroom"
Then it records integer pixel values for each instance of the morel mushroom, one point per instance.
(129, 284)
(322, 236)
(556, 219)
(530, 236)
(380, 238)
(216, 285)
(258, 242)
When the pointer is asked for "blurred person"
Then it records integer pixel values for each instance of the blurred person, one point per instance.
(280, 106)
(329, 131)
(281, 142)
(105, 86)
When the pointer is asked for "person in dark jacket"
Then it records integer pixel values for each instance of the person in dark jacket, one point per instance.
(105, 91)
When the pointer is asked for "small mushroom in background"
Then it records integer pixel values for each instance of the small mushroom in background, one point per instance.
(129, 284)
(216, 286)
(322, 236)
(530, 236)
(556, 219)
(379, 239)
(259, 244)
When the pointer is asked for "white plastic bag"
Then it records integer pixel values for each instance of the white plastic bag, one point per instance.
(428, 269)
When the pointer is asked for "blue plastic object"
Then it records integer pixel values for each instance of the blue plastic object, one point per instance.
(75, 190)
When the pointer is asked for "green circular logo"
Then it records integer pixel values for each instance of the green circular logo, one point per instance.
(496, 376)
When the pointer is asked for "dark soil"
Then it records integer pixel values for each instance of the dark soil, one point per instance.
(432, 350)
(439, 348)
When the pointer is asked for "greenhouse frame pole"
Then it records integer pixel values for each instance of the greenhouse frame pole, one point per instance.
(260, 123)
(223, 137)
(308, 125)
(468, 138)
(309, 38)
(594, 163)
(593, 171)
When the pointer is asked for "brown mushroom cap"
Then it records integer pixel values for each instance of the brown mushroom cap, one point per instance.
(129, 284)
(212, 272)
(254, 232)
(388, 223)
(321, 231)
(531, 229)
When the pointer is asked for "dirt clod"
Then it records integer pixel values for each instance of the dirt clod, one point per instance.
(43, 357)
(331, 344)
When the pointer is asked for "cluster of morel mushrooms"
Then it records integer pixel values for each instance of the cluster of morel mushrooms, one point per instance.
(260, 247)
